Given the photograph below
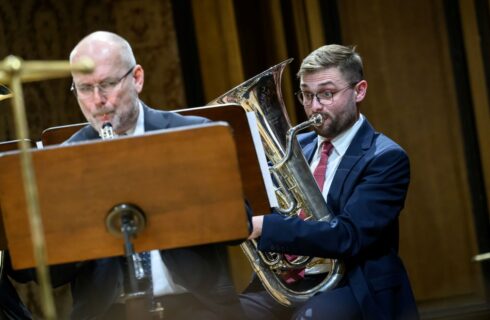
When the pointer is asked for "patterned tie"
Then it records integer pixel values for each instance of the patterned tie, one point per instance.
(319, 174)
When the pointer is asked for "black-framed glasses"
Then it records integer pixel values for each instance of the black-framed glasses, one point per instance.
(324, 98)
(105, 87)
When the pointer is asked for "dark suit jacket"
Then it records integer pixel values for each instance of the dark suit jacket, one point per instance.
(366, 196)
(202, 270)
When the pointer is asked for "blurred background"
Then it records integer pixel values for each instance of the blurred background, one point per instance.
(427, 63)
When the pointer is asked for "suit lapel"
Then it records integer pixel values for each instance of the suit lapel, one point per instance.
(360, 144)
(88, 133)
(308, 143)
(154, 120)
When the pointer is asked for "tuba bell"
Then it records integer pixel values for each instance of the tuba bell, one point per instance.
(296, 188)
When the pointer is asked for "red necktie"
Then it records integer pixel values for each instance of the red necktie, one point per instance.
(321, 169)
(319, 175)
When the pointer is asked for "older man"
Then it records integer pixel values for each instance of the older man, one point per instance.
(189, 282)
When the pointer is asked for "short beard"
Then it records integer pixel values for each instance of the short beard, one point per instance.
(121, 124)
(337, 126)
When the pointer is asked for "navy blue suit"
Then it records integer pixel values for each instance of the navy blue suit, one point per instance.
(202, 270)
(366, 196)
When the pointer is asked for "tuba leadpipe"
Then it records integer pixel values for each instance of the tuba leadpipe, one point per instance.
(296, 187)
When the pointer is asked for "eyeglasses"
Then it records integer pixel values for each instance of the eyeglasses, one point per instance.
(323, 98)
(105, 87)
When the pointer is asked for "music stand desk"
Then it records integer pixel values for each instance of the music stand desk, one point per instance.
(186, 180)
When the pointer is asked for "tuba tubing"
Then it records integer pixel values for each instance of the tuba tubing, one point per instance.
(262, 95)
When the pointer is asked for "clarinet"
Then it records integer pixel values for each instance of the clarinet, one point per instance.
(135, 307)
(107, 132)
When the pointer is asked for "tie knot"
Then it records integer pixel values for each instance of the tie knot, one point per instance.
(326, 147)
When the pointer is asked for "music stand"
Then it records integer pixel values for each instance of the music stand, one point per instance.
(234, 114)
(8, 146)
(186, 181)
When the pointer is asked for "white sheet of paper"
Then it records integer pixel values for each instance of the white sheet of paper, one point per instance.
(264, 167)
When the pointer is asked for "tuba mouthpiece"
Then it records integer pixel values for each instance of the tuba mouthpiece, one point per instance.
(316, 119)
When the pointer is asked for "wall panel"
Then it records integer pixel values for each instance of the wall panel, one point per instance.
(412, 98)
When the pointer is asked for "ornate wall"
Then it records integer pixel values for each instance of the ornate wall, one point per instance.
(49, 29)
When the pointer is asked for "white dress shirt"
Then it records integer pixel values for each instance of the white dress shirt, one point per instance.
(340, 145)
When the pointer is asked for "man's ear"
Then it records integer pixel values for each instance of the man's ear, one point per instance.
(361, 90)
(139, 77)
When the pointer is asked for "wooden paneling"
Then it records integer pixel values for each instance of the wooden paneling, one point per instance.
(221, 70)
(412, 99)
(309, 35)
(478, 84)
(276, 43)
(218, 46)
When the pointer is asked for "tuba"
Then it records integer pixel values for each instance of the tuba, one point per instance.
(296, 188)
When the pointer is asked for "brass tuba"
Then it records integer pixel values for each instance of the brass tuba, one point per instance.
(296, 187)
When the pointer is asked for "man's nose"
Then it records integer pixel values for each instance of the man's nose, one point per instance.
(99, 97)
(316, 106)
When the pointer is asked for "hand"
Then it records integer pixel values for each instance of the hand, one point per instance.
(257, 222)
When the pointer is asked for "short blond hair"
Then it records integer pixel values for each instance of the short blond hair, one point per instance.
(345, 58)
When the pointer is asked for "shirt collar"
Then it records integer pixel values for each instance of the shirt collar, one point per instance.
(342, 141)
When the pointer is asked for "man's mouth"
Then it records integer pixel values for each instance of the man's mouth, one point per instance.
(325, 116)
(104, 117)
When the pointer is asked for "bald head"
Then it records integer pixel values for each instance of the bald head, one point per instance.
(103, 44)
(110, 92)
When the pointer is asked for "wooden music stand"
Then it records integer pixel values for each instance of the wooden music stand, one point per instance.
(235, 115)
(186, 181)
(13, 145)
(8, 146)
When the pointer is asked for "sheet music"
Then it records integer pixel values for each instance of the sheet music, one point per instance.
(264, 167)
